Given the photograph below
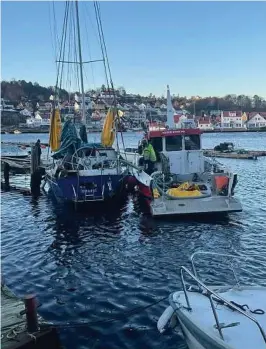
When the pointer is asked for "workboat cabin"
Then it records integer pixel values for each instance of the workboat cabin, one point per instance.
(182, 179)
(177, 151)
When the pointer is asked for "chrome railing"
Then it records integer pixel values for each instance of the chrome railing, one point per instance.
(211, 294)
(213, 254)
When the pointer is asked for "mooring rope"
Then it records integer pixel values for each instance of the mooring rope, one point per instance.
(121, 316)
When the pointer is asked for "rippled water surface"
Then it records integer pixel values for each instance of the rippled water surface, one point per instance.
(91, 266)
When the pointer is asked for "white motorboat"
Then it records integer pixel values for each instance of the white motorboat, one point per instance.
(216, 317)
(184, 181)
(13, 151)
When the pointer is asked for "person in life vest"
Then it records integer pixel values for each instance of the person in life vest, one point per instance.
(149, 157)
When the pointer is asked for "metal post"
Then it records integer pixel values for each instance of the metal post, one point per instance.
(34, 159)
(216, 317)
(31, 313)
(6, 175)
(184, 289)
(81, 65)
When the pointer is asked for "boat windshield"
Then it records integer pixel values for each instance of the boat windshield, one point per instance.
(173, 143)
(192, 142)
(157, 143)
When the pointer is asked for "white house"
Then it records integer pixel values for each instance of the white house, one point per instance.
(142, 106)
(135, 115)
(6, 105)
(232, 119)
(180, 120)
(205, 123)
(37, 121)
(256, 120)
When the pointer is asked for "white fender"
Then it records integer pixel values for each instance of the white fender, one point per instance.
(164, 319)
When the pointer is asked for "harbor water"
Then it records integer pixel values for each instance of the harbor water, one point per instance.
(92, 266)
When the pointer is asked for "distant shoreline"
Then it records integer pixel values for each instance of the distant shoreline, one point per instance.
(35, 131)
(233, 130)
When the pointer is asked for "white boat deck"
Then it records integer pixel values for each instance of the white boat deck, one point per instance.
(246, 334)
(182, 206)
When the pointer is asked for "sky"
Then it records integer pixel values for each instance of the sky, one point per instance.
(198, 48)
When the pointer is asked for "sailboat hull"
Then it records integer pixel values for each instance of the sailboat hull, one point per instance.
(82, 189)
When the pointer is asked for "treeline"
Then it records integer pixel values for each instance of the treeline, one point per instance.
(21, 90)
(17, 91)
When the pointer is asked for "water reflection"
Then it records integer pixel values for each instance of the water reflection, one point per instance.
(89, 265)
(73, 229)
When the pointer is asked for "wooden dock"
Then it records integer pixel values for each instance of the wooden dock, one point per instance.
(17, 162)
(248, 155)
(14, 327)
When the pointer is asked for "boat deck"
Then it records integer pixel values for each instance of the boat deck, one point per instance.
(249, 155)
(243, 334)
(14, 334)
(212, 204)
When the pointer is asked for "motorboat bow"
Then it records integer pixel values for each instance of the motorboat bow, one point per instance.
(216, 317)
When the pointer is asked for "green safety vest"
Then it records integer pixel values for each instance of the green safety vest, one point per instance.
(149, 153)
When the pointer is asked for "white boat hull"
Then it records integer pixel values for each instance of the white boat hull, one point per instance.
(212, 204)
(241, 333)
(191, 341)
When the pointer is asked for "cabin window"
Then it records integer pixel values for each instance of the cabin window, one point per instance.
(157, 144)
(192, 142)
(173, 143)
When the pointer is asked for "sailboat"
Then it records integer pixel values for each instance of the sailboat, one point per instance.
(83, 172)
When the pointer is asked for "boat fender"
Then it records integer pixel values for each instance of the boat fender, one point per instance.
(164, 319)
(130, 183)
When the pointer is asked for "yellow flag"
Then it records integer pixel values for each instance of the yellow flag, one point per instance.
(108, 132)
(55, 130)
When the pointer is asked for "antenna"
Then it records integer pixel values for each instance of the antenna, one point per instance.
(170, 111)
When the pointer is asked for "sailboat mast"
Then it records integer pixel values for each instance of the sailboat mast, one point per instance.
(81, 66)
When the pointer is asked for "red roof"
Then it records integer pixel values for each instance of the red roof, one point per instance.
(232, 114)
(176, 132)
(253, 113)
(204, 121)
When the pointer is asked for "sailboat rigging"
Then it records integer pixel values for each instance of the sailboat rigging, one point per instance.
(83, 172)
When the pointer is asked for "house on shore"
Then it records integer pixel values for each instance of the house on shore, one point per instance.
(205, 123)
(232, 119)
(256, 120)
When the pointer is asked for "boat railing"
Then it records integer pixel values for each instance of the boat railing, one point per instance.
(213, 296)
(207, 253)
(213, 161)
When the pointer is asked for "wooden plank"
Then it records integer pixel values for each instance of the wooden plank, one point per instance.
(14, 333)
